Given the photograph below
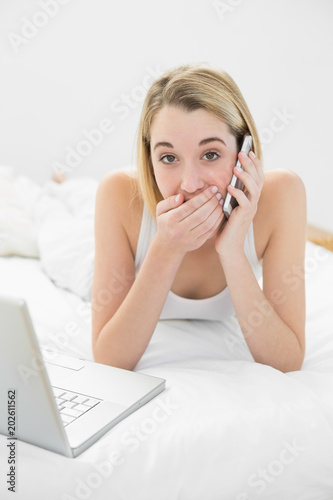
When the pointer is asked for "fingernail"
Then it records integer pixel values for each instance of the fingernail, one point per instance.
(251, 153)
(177, 198)
(214, 189)
(221, 202)
(218, 196)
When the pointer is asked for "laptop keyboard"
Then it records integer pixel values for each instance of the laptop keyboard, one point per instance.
(72, 405)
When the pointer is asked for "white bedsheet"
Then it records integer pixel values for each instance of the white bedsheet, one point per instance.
(225, 428)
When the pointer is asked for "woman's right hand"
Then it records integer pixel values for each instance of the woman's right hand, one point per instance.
(182, 227)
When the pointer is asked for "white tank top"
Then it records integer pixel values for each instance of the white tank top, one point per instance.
(218, 307)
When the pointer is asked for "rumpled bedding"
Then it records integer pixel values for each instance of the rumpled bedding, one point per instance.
(225, 428)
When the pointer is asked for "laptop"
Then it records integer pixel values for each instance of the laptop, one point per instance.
(59, 402)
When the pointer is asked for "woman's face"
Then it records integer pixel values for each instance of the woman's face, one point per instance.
(191, 151)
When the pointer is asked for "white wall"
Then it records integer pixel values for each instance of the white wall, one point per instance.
(87, 64)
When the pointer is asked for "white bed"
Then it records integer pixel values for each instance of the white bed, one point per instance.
(225, 428)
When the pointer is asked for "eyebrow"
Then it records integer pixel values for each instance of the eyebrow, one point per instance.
(201, 143)
(211, 139)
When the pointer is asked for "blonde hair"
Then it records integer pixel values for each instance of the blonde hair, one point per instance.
(190, 88)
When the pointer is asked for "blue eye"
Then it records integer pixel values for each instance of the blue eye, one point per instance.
(168, 158)
(210, 156)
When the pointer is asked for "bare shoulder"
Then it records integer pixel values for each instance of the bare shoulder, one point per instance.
(281, 208)
(283, 194)
(118, 196)
(118, 186)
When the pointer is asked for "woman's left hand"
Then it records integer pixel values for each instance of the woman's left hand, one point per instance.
(232, 236)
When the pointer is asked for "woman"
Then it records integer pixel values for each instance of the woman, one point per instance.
(164, 248)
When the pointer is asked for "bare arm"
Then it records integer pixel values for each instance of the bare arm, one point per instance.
(125, 310)
(273, 319)
(124, 338)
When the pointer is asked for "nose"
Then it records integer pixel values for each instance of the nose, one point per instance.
(192, 180)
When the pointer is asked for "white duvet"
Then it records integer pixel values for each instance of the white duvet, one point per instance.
(225, 428)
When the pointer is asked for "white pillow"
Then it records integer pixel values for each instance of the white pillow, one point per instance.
(17, 232)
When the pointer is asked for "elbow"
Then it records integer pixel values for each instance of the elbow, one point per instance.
(294, 358)
(291, 363)
(293, 367)
(106, 357)
(99, 357)
(295, 364)
(297, 360)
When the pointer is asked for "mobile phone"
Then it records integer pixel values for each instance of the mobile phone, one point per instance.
(230, 201)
